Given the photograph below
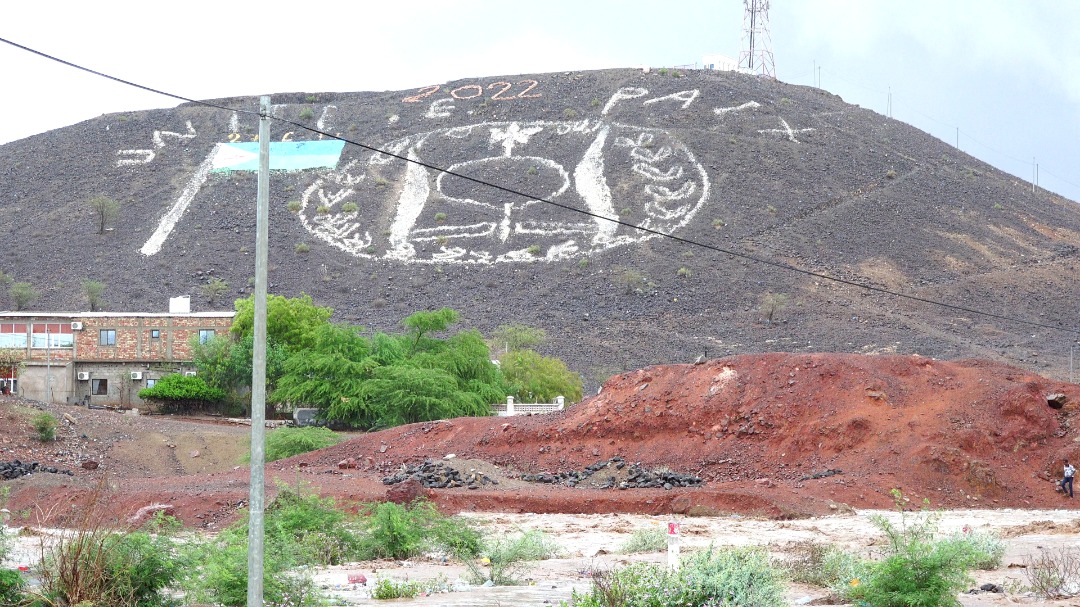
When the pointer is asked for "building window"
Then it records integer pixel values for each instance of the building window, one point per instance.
(99, 387)
(51, 335)
(150, 383)
(107, 337)
(12, 335)
(155, 333)
(205, 335)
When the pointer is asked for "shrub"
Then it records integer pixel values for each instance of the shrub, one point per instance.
(105, 567)
(22, 294)
(386, 588)
(534, 249)
(917, 569)
(890, 174)
(182, 392)
(684, 272)
(293, 206)
(987, 546)
(1053, 573)
(302, 247)
(508, 558)
(825, 566)
(299, 531)
(322, 209)
(727, 576)
(287, 442)
(214, 288)
(645, 540)
(11, 588)
(399, 532)
(570, 113)
(440, 216)
(350, 207)
(632, 281)
(307, 113)
(45, 426)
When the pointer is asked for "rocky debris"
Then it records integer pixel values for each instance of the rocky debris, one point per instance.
(407, 492)
(994, 588)
(89, 465)
(432, 475)
(825, 474)
(14, 469)
(619, 475)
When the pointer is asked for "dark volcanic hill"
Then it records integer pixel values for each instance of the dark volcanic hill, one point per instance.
(787, 173)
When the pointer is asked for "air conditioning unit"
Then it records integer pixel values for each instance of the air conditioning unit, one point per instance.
(76, 326)
(136, 375)
(189, 373)
(83, 375)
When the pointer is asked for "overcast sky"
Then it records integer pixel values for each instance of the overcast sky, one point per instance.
(1006, 73)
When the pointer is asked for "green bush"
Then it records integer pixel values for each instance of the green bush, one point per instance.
(917, 569)
(728, 576)
(106, 567)
(11, 588)
(45, 426)
(179, 391)
(507, 559)
(386, 588)
(399, 532)
(988, 547)
(825, 566)
(645, 540)
(287, 442)
(299, 531)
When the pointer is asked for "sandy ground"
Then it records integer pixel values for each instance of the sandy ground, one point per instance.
(591, 543)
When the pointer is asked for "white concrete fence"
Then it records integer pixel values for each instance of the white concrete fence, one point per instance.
(510, 408)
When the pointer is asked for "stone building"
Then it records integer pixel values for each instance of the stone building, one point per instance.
(102, 358)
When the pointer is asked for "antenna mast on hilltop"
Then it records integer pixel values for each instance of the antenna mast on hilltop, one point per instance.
(756, 56)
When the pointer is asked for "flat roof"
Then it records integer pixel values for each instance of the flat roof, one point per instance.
(23, 314)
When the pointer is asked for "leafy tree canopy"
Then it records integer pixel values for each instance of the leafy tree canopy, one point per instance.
(388, 380)
(517, 337)
(290, 322)
(225, 363)
(534, 378)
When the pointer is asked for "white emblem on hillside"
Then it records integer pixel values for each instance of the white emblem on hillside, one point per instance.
(636, 176)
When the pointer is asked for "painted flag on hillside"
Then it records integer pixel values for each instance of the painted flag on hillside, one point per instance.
(284, 155)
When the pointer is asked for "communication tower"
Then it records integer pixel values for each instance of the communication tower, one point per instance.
(756, 56)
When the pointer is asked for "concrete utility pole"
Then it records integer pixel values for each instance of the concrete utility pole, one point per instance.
(258, 368)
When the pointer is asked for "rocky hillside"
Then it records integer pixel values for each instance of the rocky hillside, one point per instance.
(780, 172)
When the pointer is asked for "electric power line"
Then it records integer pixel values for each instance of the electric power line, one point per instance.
(511, 191)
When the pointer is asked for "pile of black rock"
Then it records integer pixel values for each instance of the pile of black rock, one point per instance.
(635, 477)
(14, 469)
(439, 475)
(826, 474)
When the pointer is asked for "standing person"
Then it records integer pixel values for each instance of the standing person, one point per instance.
(1067, 479)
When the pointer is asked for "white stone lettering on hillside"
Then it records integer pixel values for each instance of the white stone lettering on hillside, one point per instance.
(131, 157)
(410, 213)
(787, 131)
(723, 111)
(323, 123)
(687, 97)
(628, 92)
(141, 157)
(159, 136)
(173, 215)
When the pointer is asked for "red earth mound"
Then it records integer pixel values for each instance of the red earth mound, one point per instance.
(779, 435)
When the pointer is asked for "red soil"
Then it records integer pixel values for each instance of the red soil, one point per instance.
(964, 433)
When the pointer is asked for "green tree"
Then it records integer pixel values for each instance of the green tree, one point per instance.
(225, 362)
(534, 378)
(290, 322)
(105, 210)
(388, 380)
(22, 295)
(95, 294)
